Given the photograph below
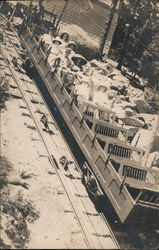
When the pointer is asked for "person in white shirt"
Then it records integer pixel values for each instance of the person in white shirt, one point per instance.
(66, 61)
(54, 50)
(47, 39)
(73, 46)
(64, 38)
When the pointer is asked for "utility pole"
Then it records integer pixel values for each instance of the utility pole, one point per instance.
(110, 28)
(60, 17)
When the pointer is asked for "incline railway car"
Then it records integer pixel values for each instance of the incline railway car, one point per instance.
(131, 188)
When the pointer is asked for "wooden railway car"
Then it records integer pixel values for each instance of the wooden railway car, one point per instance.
(131, 188)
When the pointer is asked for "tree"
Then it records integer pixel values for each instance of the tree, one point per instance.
(138, 45)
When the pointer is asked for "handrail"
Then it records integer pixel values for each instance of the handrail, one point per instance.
(137, 176)
(148, 197)
(104, 128)
(123, 150)
(108, 133)
(99, 111)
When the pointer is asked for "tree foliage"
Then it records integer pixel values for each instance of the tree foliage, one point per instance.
(138, 27)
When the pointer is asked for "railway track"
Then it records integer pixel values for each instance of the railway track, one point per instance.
(94, 226)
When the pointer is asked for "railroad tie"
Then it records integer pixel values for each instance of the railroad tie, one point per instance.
(101, 235)
(22, 106)
(91, 214)
(80, 195)
(26, 114)
(30, 126)
(68, 211)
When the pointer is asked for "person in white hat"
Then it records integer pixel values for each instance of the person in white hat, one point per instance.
(54, 50)
(46, 38)
(72, 45)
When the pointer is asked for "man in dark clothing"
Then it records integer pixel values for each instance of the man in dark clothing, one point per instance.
(44, 120)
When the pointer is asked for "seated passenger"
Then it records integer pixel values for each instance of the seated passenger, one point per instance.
(66, 60)
(79, 61)
(64, 37)
(56, 66)
(47, 38)
(72, 45)
(87, 69)
(54, 50)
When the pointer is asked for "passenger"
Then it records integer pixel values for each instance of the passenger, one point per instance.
(87, 69)
(56, 66)
(68, 79)
(47, 38)
(73, 46)
(66, 60)
(55, 50)
(79, 61)
(64, 37)
(74, 91)
(44, 120)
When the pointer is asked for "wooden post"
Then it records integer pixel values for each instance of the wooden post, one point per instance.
(110, 28)
(11, 18)
(61, 14)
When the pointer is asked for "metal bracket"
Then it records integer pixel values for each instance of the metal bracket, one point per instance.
(71, 103)
(82, 120)
(94, 138)
(109, 155)
(39, 47)
(61, 89)
(123, 182)
(47, 73)
(45, 62)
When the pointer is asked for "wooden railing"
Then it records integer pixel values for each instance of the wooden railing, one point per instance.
(120, 150)
(148, 198)
(96, 111)
(139, 177)
(104, 125)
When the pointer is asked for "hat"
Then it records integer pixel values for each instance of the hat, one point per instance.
(71, 43)
(82, 59)
(64, 33)
(57, 40)
(68, 50)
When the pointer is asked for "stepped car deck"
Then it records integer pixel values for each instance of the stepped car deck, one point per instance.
(130, 187)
